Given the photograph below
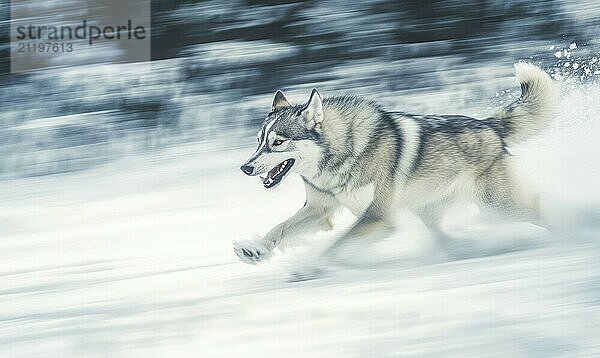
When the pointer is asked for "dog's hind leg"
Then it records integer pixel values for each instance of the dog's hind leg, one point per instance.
(498, 191)
(431, 215)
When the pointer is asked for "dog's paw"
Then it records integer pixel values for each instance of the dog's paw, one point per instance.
(251, 252)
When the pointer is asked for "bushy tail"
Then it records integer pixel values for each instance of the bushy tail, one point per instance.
(529, 114)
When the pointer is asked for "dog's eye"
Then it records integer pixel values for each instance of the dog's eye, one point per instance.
(277, 142)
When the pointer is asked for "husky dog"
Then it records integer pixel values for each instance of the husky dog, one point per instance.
(352, 153)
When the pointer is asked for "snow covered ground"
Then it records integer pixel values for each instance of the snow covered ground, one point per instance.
(134, 258)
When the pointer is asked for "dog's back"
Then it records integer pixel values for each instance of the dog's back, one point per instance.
(458, 152)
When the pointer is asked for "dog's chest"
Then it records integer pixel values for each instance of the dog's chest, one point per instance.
(357, 199)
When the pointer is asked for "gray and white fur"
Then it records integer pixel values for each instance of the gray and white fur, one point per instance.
(352, 153)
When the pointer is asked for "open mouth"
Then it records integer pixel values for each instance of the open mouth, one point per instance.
(275, 175)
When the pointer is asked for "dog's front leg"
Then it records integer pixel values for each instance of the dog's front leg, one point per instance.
(314, 216)
(374, 224)
(367, 229)
(306, 221)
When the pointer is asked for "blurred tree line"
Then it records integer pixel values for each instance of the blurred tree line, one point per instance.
(327, 32)
(211, 56)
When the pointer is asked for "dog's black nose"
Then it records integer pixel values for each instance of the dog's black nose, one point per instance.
(247, 169)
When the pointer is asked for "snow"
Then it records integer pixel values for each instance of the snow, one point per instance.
(134, 258)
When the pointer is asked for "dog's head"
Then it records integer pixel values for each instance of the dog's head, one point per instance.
(288, 141)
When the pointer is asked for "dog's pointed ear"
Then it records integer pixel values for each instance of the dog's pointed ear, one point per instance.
(279, 102)
(313, 111)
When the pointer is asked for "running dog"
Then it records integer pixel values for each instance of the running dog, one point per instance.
(352, 153)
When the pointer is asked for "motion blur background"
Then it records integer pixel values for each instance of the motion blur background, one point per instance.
(120, 193)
